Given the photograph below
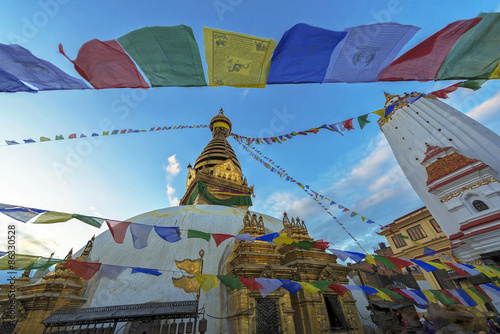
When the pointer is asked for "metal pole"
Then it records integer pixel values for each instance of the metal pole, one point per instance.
(196, 314)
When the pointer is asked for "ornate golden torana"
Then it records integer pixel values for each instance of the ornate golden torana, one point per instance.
(447, 165)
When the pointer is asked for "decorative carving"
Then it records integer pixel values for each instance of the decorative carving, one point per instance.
(286, 221)
(88, 247)
(447, 165)
(472, 186)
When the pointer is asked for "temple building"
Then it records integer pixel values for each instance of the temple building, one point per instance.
(452, 162)
(217, 200)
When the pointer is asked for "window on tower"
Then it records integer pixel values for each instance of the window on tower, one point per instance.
(435, 225)
(416, 233)
(479, 205)
(398, 241)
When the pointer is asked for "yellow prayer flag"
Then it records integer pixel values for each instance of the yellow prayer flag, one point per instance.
(430, 296)
(18, 261)
(369, 258)
(207, 282)
(143, 131)
(237, 60)
(363, 218)
(475, 297)
(417, 243)
(309, 287)
(437, 265)
(105, 133)
(283, 239)
(44, 139)
(494, 271)
(485, 271)
(383, 295)
(52, 217)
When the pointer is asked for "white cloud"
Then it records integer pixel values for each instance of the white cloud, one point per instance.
(173, 167)
(279, 202)
(486, 109)
(174, 201)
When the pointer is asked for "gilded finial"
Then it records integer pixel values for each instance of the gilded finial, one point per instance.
(88, 247)
(221, 112)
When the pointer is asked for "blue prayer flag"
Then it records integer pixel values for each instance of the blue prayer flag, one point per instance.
(424, 266)
(20, 213)
(170, 234)
(369, 221)
(303, 54)
(27, 141)
(95, 134)
(136, 270)
(368, 290)
(10, 84)
(11, 142)
(268, 237)
(356, 257)
(292, 287)
(429, 252)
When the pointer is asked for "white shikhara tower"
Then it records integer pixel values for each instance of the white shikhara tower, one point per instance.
(452, 162)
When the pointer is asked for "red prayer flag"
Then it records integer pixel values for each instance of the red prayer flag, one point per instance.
(423, 62)
(251, 283)
(455, 268)
(446, 292)
(118, 229)
(348, 124)
(72, 136)
(314, 130)
(345, 210)
(402, 293)
(219, 238)
(339, 289)
(84, 269)
(443, 93)
(320, 244)
(106, 65)
(400, 263)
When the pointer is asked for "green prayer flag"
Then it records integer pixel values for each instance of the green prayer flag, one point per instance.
(475, 55)
(93, 221)
(304, 244)
(230, 281)
(472, 84)
(392, 293)
(353, 214)
(16, 261)
(446, 300)
(169, 56)
(59, 137)
(114, 132)
(322, 285)
(198, 234)
(363, 120)
(43, 263)
(234, 200)
(385, 261)
(403, 236)
(479, 294)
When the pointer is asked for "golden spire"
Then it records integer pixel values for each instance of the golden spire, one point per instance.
(388, 96)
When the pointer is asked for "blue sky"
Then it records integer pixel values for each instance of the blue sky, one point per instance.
(121, 176)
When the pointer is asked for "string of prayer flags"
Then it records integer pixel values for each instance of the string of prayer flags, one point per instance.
(118, 229)
(227, 66)
(106, 65)
(20, 213)
(207, 282)
(168, 56)
(198, 234)
(251, 283)
(23, 65)
(303, 54)
(170, 234)
(84, 269)
(366, 50)
(268, 237)
(423, 62)
(284, 239)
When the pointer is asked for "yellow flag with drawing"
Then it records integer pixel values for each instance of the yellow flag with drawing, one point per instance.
(237, 60)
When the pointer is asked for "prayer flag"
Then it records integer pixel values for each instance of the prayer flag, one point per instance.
(198, 234)
(421, 302)
(321, 285)
(140, 234)
(424, 265)
(422, 62)
(72, 136)
(230, 281)
(392, 293)
(268, 284)
(429, 252)
(147, 271)
(292, 287)
(303, 54)
(368, 290)
(320, 244)
(251, 283)
(10, 84)
(369, 221)
(303, 244)
(20, 213)
(52, 217)
(490, 288)
(40, 73)
(245, 237)
(118, 229)
(106, 65)
(219, 238)
(340, 254)
(468, 300)
(366, 50)
(16, 261)
(356, 257)
(309, 287)
(115, 132)
(283, 239)
(412, 99)
(456, 269)
(383, 295)
(467, 269)
(472, 84)
(11, 142)
(475, 55)
(363, 120)
(170, 234)
(93, 221)
(42, 139)
(109, 271)
(430, 297)
(348, 124)
(83, 269)
(268, 237)
(339, 289)
(59, 137)
(485, 271)
(393, 262)
(237, 60)
(207, 282)
(447, 293)
(443, 93)
(27, 141)
(381, 113)
(43, 263)
(105, 133)
(168, 56)
(370, 259)
(474, 291)
(443, 297)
